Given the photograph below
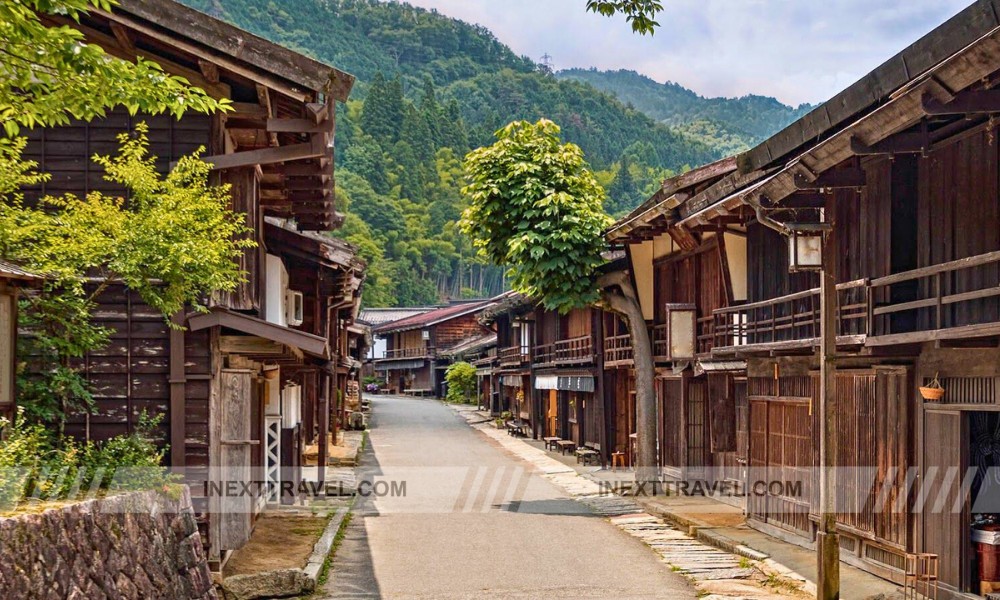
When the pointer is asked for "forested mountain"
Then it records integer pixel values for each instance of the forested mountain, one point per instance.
(732, 124)
(431, 88)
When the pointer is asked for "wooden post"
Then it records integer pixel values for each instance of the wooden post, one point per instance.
(324, 426)
(827, 543)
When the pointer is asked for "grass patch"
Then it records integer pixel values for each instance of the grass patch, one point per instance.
(745, 563)
(324, 572)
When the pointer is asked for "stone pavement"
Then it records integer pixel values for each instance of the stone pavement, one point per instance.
(716, 573)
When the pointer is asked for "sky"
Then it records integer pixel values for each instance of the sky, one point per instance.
(795, 50)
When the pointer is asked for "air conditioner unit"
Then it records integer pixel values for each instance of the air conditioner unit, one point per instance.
(293, 308)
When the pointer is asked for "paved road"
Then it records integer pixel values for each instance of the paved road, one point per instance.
(475, 522)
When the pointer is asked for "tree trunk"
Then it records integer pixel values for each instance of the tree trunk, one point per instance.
(625, 302)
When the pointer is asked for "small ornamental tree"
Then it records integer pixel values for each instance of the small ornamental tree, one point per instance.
(174, 242)
(535, 207)
(461, 378)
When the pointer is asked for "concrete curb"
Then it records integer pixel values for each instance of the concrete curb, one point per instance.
(322, 548)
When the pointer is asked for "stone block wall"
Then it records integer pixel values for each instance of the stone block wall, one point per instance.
(137, 545)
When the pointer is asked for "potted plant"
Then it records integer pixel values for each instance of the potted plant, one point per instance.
(932, 392)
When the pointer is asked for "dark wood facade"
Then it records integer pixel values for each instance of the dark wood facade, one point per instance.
(247, 385)
(909, 186)
(417, 350)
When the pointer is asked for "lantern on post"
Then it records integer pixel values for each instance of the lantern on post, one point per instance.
(805, 246)
(682, 331)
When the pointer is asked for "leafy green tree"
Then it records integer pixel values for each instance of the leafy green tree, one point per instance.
(535, 207)
(461, 378)
(430, 110)
(49, 75)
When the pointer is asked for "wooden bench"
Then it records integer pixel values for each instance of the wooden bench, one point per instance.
(550, 443)
(417, 391)
(589, 453)
(566, 446)
(517, 428)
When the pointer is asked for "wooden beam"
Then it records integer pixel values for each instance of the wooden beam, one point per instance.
(209, 69)
(841, 178)
(248, 110)
(319, 111)
(114, 47)
(199, 52)
(967, 102)
(299, 126)
(684, 238)
(235, 44)
(313, 149)
(124, 37)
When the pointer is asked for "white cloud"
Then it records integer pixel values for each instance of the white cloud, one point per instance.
(795, 50)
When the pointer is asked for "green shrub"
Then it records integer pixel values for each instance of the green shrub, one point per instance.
(461, 378)
(37, 465)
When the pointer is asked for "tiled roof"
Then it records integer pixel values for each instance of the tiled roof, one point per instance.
(433, 317)
(12, 271)
(381, 316)
(473, 345)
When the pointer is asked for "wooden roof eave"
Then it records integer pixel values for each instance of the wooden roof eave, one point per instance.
(903, 111)
(218, 316)
(964, 29)
(234, 49)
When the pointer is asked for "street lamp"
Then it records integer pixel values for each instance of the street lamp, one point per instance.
(805, 246)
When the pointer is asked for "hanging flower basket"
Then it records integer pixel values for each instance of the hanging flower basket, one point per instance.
(933, 392)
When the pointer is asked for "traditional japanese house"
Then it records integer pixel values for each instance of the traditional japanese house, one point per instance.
(513, 317)
(565, 382)
(899, 173)
(413, 361)
(324, 288)
(13, 281)
(681, 277)
(275, 346)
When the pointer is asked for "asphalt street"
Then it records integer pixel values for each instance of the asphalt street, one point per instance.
(448, 514)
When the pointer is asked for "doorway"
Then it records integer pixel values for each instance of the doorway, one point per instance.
(552, 414)
(984, 495)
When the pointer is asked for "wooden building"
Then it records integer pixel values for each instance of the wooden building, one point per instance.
(549, 370)
(13, 281)
(513, 317)
(415, 356)
(246, 385)
(901, 169)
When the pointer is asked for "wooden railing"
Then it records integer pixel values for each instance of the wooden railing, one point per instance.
(790, 320)
(960, 298)
(418, 352)
(514, 356)
(577, 350)
(618, 350)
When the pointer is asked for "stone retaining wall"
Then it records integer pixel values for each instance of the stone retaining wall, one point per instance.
(138, 545)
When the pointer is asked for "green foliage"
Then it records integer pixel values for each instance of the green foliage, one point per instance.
(638, 13)
(49, 74)
(429, 89)
(461, 378)
(535, 206)
(35, 465)
(623, 193)
(174, 242)
(728, 125)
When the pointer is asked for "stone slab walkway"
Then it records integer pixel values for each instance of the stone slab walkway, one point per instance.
(716, 573)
